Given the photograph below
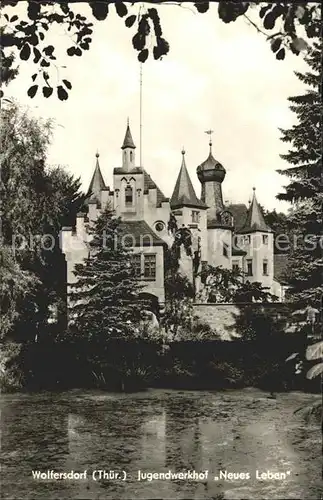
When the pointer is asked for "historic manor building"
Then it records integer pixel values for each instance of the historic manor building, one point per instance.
(229, 236)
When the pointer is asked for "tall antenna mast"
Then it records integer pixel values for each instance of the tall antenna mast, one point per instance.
(140, 118)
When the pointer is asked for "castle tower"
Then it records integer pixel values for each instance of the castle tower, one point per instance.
(190, 212)
(98, 192)
(219, 221)
(256, 238)
(128, 150)
(97, 183)
(128, 182)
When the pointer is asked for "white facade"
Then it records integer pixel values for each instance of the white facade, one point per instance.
(146, 213)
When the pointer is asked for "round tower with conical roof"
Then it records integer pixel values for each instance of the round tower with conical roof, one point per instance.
(189, 212)
(256, 238)
(219, 220)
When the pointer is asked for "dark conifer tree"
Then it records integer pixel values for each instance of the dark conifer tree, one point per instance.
(106, 293)
(304, 190)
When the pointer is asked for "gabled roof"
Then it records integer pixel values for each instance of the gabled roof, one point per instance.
(255, 219)
(184, 193)
(97, 183)
(239, 212)
(128, 140)
(150, 184)
(140, 234)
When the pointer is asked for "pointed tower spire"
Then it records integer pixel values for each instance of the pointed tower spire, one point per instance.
(97, 183)
(184, 193)
(128, 141)
(128, 150)
(255, 220)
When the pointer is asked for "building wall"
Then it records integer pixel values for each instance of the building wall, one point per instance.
(259, 252)
(222, 317)
(155, 287)
(217, 238)
(279, 290)
(153, 214)
(74, 247)
(136, 182)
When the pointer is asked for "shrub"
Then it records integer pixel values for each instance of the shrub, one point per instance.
(11, 374)
(225, 374)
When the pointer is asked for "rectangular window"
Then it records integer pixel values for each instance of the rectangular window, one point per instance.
(128, 196)
(225, 250)
(235, 265)
(265, 239)
(195, 216)
(265, 268)
(247, 240)
(249, 267)
(150, 266)
(136, 262)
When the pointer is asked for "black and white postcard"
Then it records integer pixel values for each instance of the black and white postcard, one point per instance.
(161, 250)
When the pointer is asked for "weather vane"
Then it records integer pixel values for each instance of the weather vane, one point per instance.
(209, 133)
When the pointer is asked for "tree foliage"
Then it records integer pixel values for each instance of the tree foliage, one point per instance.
(105, 298)
(230, 285)
(179, 294)
(16, 285)
(277, 221)
(304, 190)
(29, 34)
(35, 202)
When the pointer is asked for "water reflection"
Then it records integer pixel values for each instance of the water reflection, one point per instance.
(33, 437)
(152, 432)
(183, 441)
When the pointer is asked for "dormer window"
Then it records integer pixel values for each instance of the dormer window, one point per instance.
(128, 196)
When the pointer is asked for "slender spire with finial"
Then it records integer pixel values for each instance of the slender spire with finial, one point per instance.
(97, 183)
(128, 141)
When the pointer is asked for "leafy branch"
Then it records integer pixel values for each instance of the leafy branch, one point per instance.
(29, 35)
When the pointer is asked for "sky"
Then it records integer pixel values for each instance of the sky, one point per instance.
(216, 76)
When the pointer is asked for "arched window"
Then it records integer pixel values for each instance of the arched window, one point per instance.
(130, 155)
(128, 196)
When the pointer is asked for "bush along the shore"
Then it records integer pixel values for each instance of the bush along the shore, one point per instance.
(302, 362)
(12, 377)
(132, 365)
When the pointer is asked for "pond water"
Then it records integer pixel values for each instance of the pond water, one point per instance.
(159, 431)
